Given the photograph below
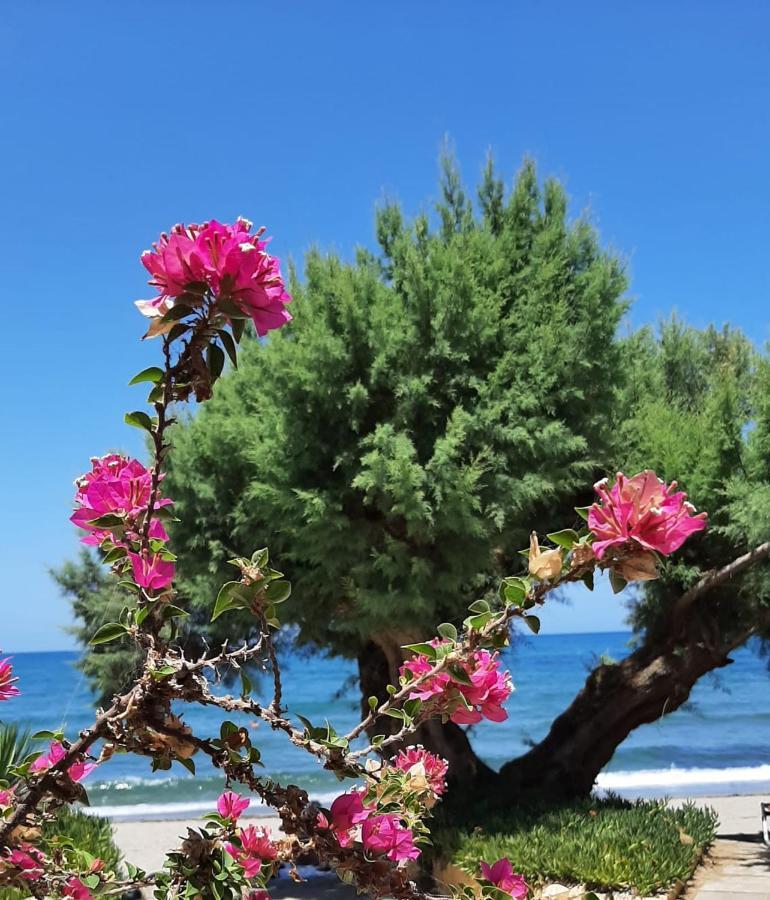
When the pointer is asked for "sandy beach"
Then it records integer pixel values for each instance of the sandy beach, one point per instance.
(145, 843)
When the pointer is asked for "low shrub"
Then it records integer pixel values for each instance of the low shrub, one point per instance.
(607, 844)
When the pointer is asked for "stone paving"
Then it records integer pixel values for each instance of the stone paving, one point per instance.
(738, 867)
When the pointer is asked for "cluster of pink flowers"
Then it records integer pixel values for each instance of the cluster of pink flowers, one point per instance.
(502, 876)
(465, 704)
(56, 753)
(642, 511)
(226, 260)
(120, 486)
(253, 849)
(8, 680)
(381, 834)
(419, 761)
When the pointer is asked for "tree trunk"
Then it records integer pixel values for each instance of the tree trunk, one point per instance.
(616, 699)
(378, 665)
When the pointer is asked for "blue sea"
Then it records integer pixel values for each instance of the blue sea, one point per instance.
(718, 744)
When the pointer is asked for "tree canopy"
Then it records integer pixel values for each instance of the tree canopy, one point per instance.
(427, 405)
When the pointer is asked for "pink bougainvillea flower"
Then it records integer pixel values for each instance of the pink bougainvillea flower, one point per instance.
(501, 874)
(465, 704)
(7, 796)
(56, 752)
(152, 572)
(386, 834)
(347, 811)
(116, 485)
(259, 895)
(642, 511)
(29, 860)
(419, 761)
(230, 805)
(227, 260)
(75, 888)
(255, 848)
(8, 681)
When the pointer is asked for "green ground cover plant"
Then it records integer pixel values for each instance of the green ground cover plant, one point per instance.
(606, 844)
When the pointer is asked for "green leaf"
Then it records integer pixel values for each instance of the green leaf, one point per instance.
(479, 606)
(178, 311)
(229, 344)
(565, 538)
(448, 631)
(514, 591)
(534, 624)
(215, 359)
(588, 580)
(459, 674)
(138, 419)
(47, 736)
(278, 591)
(114, 555)
(229, 597)
(152, 374)
(582, 511)
(110, 520)
(245, 684)
(373, 703)
(187, 763)
(171, 612)
(238, 326)
(617, 582)
(478, 622)
(177, 331)
(108, 632)
(425, 649)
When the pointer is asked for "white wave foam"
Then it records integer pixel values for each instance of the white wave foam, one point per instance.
(673, 777)
(183, 810)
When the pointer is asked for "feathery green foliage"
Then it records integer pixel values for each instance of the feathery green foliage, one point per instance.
(426, 407)
(695, 408)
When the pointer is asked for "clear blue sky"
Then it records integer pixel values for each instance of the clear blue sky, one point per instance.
(119, 119)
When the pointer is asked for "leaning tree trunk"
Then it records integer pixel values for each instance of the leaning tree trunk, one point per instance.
(654, 680)
(378, 664)
(616, 699)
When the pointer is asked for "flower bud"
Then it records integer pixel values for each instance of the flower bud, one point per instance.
(543, 564)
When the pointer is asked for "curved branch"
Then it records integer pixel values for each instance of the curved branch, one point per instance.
(716, 577)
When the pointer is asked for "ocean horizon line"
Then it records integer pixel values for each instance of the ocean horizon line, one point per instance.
(546, 635)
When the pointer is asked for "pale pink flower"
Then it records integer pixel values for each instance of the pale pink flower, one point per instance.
(75, 888)
(347, 811)
(465, 704)
(642, 511)
(29, 860)
(255, 848)
(230, 805)
(56, 752)
(8, 681)
(501, 874)
(152, 572)
(435, 768)
(386, 834)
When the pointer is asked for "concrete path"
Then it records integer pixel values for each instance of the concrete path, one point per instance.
(738, 867)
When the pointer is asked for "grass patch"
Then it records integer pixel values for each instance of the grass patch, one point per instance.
(607, 844)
